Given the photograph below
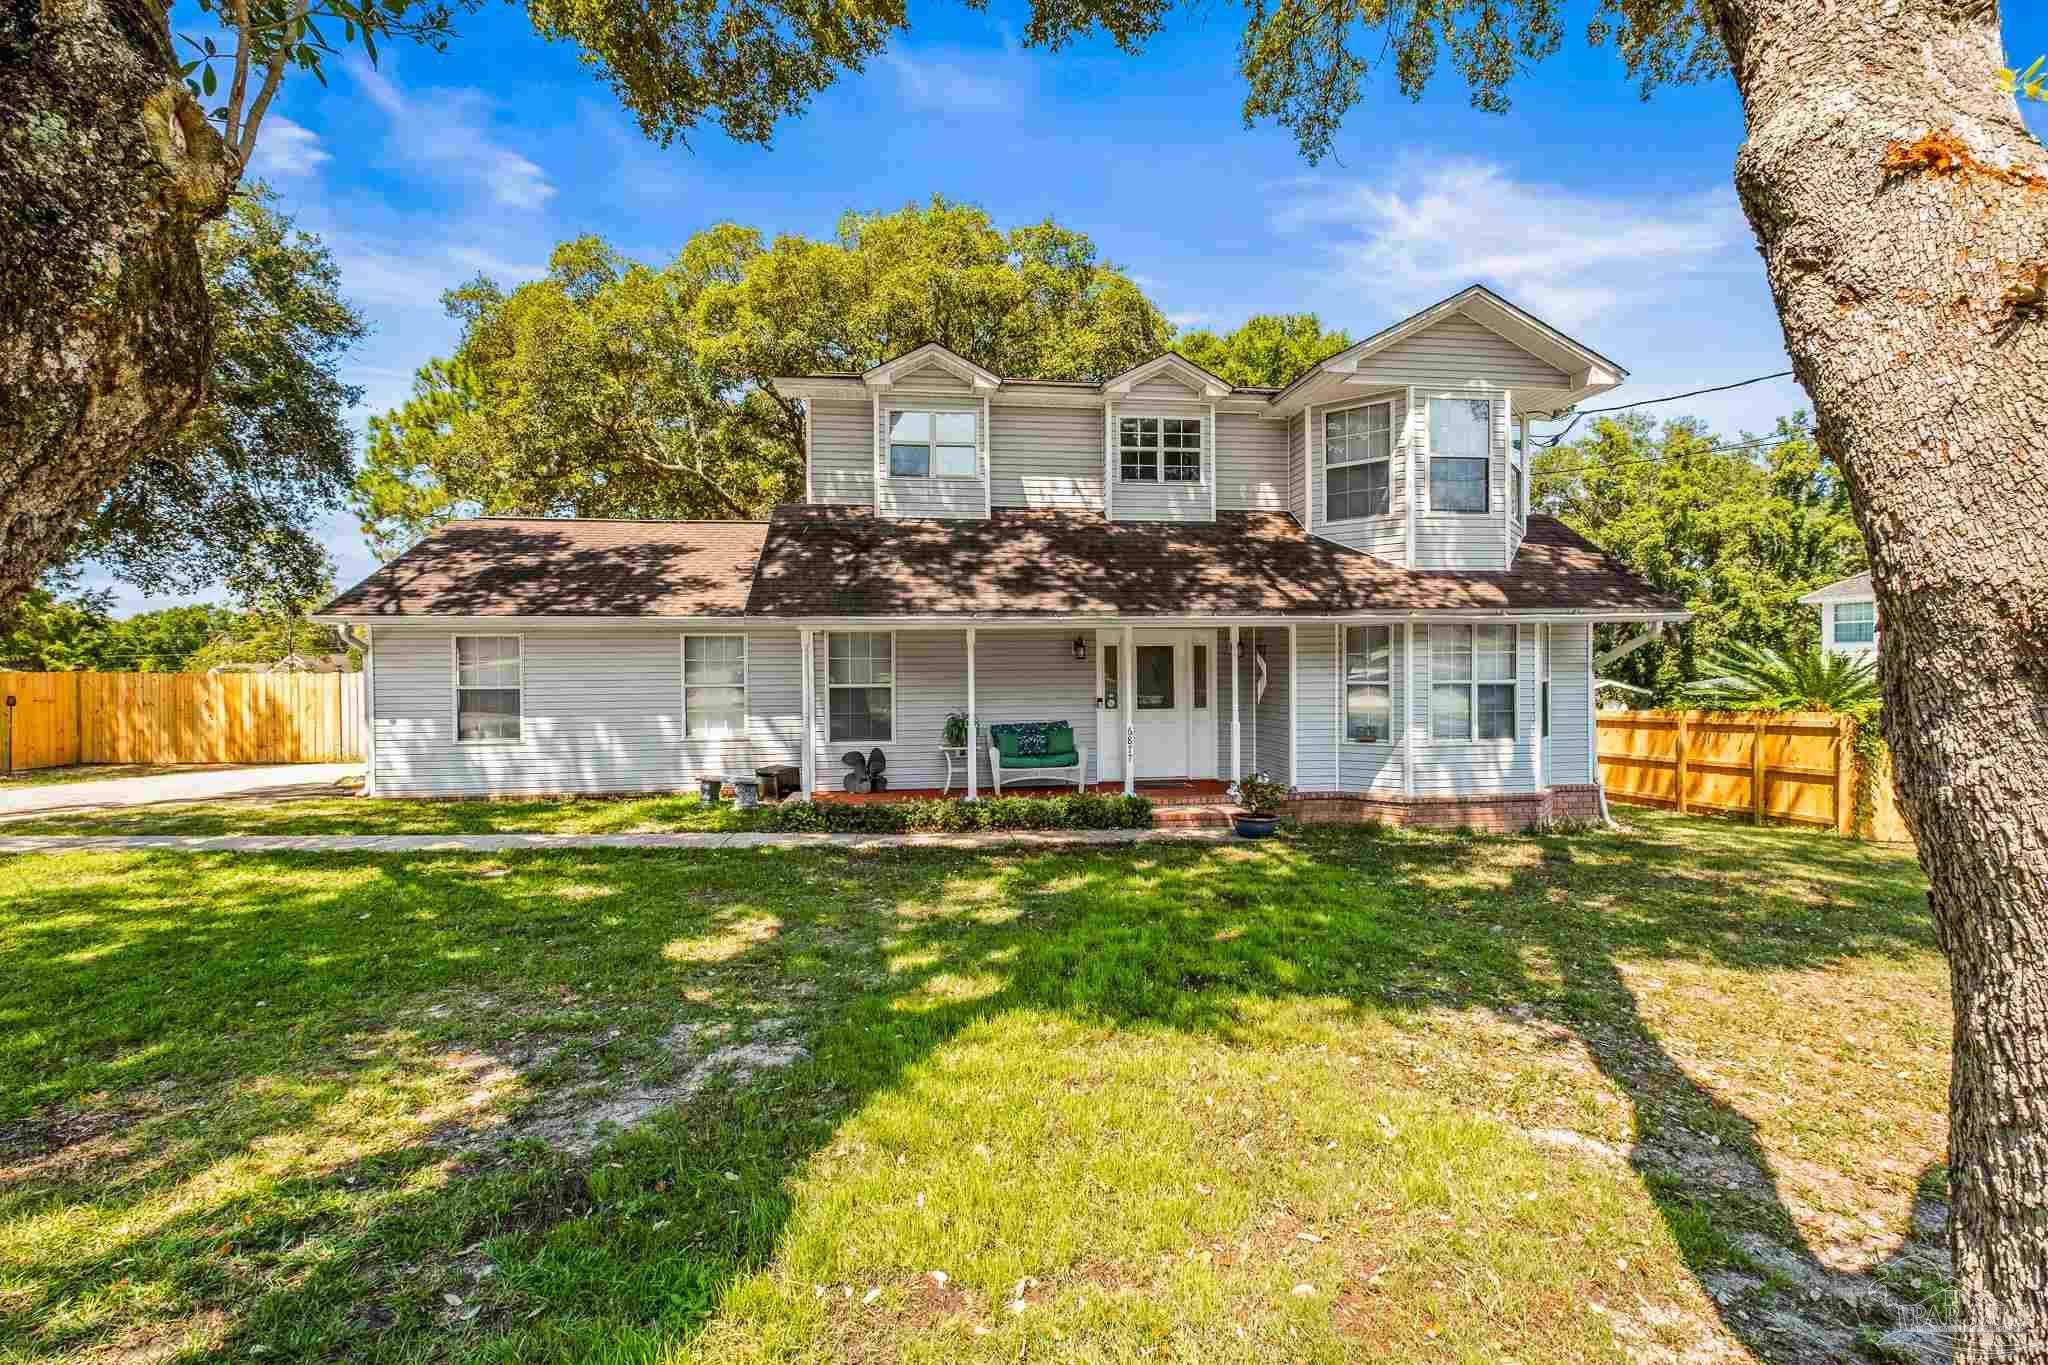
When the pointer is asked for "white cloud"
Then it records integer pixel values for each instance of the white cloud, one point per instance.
(285, 149)
(957, 80)
(1571, 258)
(1191, 319)
(447, 131)
(411, 276)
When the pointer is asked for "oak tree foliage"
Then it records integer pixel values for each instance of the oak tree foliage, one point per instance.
(1267, 351)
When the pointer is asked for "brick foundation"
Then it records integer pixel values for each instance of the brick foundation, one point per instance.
(1504, 813)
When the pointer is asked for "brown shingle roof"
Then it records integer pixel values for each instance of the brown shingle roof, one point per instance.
(830, 561)
(536, 566)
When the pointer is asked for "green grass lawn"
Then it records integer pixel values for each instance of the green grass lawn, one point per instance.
(1674, 1093)
(356, 815)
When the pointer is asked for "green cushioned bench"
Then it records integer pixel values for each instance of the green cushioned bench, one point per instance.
(1011, 750)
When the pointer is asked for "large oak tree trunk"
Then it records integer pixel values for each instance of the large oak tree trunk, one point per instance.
(107, 169)
(1902, 211)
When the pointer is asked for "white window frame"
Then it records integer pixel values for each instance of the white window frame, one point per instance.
(1387, 459)
(895, 666)
(746, 696)
(455, 688)
(1429, 463)
(1345, 684)
(931, 443)
(1835, 623)
(1201, 479)
(1542, 680)
(1472, 682)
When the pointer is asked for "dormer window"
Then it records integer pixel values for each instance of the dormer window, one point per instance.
(1359, 447)
(1160, 449)
(924, 443)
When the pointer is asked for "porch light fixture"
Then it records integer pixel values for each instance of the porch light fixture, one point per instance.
(1081, 649)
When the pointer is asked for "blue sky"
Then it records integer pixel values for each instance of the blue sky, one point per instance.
(1612, 218)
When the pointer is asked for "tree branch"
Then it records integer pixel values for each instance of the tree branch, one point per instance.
(238, 89)
(271, 77)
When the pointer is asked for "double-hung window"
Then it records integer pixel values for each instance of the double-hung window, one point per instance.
(923, 443)
(1471, 682)
(489, 676)
(1368, 684)
(714, 686)
(1855, 623)
(1159, 449)
(1359, 462)
(860, 680)
(1460, 455)
(1543, 671)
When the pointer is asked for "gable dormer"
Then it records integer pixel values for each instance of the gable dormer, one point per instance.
(1159, 441)
(931, 433)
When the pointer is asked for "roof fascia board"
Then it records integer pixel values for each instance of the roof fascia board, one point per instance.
(1529, 615)
(1205, 385)
(931, 353)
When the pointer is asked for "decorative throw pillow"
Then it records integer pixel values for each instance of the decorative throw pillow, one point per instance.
(1033, 738)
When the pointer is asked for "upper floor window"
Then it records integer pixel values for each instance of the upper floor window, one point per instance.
(1155, 449)
(1358, 446)
(1855, 623)
(1368, 684)
(489, 681)
(1460, 455)
(924, 443)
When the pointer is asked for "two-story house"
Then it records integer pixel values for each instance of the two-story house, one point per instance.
(1337, 583)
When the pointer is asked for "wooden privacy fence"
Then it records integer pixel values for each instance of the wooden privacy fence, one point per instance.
(1796, 767)
(60, 718)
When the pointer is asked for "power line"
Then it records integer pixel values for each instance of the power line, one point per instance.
(1646, 402)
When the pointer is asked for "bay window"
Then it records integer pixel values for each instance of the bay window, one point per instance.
(1368, 684)
(1358, 446)
(1472, 682)
(1460, 454)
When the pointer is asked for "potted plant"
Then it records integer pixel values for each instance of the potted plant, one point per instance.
(955, 733)
(1261, 798)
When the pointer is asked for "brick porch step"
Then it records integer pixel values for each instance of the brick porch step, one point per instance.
(1192, 816)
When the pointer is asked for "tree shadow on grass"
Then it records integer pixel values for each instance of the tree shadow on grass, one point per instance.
(636, 1250)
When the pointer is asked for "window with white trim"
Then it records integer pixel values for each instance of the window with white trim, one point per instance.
(489, 677)
(714, 686)
(1368, 684)
(925, 442)
(860, 685)
(1460, 454)
(1543, 659)
(1472, 682)
(1855, 623)
(1159, 449)
(1358, 460)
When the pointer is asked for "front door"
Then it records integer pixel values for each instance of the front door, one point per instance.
(1169, 702)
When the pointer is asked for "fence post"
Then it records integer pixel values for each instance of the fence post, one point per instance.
(1684, 739)
(1845, 754)
(1756, 770)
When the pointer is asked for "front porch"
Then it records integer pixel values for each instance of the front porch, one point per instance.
(1194, 792)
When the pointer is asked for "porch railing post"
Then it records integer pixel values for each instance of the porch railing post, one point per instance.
(973, 731)
(1236, 711)
(1130, 698)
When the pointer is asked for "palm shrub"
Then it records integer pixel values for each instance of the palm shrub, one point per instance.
(1745, 677)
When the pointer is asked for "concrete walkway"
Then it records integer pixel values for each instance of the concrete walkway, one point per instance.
(506, 843)
(271, 782)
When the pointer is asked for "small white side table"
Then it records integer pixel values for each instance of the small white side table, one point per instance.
(955, 758)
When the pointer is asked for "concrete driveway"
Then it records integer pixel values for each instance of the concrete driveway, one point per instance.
(214, 784)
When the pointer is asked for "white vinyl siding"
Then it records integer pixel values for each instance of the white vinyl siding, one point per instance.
(1268, 717)
(934, 378)
(1045, 457)
(842, 454)
(1460, 540)
(1567, 752)
(931, 495)
(1252, 468)
(1458, 351)
(1385, 536)
(1158, 500)
(1315, 741)
(1378, 767)
(1161, 388)
(603, 713)
(1297, 465)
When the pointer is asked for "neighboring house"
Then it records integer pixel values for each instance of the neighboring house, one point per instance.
(1848, 616)
(1337, 582)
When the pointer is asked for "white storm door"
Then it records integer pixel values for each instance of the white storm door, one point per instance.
(1202, 704)
(1159, 690)
(1109, 700)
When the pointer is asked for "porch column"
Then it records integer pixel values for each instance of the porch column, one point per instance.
(1293, 711)
(807, 690)
(973, 756)
(1129, 673)
(1236, 711)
